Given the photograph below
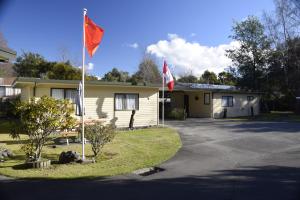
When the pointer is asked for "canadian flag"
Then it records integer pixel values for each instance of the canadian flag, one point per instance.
(168, 77)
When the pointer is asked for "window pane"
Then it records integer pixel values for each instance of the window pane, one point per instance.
(131, 101)
(224, 101)
(58, 93)
(71, 94)
(119, 99)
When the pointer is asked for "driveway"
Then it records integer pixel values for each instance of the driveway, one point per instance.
(220, 159)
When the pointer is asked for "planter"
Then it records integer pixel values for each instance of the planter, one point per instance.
(40, 164)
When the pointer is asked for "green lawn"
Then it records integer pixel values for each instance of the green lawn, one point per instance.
(130, 150)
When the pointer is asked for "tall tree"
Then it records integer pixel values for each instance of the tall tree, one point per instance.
(116, 75)
(252, 55)
(31, 65)
(226, 78)
(188, 78)
(148, 72)
(282, 26)
(209, 78)
(65, 71)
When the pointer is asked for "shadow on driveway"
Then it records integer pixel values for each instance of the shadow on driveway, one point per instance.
(267, 182)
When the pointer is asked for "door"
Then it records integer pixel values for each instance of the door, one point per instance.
(186, 105)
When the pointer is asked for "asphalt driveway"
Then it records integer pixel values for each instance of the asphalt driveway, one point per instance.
(220, 159)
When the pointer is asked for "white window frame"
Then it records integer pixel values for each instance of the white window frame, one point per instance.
(125, 101)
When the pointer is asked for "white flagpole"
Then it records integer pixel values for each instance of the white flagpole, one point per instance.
(83, 70)
(163, 95)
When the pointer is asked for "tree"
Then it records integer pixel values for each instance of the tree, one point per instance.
(226, 78)
(282, 26)
(41, 117)
(209, 78)
(64, 71)
(251, 58)
(188, 79)
(31, 65)
(148, 72)
(99, 135)
(116, 75)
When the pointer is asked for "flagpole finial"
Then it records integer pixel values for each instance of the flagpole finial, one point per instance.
(84, 11)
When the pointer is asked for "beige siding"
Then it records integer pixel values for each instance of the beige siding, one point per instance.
(99, 103)
(241, 107)
(197, 106)
(26, 93)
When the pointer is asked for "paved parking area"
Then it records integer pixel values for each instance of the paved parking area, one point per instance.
(219, 159)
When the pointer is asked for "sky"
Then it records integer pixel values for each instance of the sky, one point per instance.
(191, 35)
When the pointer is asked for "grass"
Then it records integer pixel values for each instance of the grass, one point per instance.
(130, 150)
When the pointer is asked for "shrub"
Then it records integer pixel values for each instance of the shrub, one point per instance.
(38, 119)
(99, 135)
(177, 113)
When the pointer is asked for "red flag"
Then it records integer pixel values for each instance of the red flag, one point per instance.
(93, 35)
(168, 77)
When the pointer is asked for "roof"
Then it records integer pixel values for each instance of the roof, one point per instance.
(7, 81)
(7, 54)
(209, 87)
(21, 81)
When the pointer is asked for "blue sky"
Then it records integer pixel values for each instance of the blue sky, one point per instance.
(195, 25)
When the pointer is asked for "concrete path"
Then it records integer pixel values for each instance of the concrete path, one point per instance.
(220, 159)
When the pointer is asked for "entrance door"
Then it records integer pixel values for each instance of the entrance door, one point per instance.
(186, 105)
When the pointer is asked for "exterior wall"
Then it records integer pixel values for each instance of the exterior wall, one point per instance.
(241, 106)
(26, 93)
(99, 103)
(197, 106)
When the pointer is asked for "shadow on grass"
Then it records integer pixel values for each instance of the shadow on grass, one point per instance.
(266, 182)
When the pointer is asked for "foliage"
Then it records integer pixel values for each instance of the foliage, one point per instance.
(31, 65)
(177, 113)
(148, 72)
(252, 55)
(8, 107)
(99, 135)
(226, 78)
(209, 78)
(116, 76)
(34, 65)
(188, 79)
(39, 118)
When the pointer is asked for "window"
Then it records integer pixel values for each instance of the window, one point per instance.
(60, 93)
(227, 101)
(126, 101)
(206, 98)
(250, 98)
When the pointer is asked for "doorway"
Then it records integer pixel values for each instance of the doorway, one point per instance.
(186, 105)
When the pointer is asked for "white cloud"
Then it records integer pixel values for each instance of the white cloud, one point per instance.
(88, 67)
(133, 45)
(193, 34)
(192, 57)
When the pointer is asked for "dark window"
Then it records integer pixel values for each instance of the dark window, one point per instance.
(126, 101)
(227, 101)
(206, 98)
